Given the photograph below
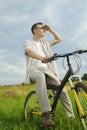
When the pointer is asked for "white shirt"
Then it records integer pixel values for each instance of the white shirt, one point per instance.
(37, 63)
(43, 48)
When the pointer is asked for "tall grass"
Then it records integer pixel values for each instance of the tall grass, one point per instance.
(12, 118)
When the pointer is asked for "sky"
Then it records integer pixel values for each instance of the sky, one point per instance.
(67, 17)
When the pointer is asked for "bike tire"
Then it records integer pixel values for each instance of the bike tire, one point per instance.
(81, 90)
(31, 104)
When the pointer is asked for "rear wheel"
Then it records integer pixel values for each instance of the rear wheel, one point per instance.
(81, 91)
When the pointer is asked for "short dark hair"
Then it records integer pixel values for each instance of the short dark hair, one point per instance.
(34, 26)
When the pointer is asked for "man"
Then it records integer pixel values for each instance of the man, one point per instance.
(42, 71)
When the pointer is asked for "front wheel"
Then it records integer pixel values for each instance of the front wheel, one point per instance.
(31, 105)
(81, 90)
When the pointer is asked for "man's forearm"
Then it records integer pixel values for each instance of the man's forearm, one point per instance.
(55, 34)
(33, 54)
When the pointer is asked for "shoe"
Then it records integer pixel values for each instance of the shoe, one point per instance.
(46, 120)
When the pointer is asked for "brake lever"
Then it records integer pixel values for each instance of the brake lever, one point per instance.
(80, 51)
(53, 57)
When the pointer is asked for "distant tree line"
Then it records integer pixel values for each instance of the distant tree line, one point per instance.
(84, 77)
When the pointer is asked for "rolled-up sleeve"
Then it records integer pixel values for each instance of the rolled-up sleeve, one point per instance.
(26, 45)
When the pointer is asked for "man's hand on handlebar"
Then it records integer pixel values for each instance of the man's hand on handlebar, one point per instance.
(46, 60)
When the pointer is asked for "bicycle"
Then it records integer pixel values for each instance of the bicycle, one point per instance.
(79, 91)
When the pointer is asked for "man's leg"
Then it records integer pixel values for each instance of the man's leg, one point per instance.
(42, 95)
(64, 98)
(41, 90)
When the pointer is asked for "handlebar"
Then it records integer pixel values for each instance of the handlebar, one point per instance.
(55, 56)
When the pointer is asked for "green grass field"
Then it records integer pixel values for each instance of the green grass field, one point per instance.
(11, 111)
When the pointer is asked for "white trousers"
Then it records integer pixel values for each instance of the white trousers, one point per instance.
(41, 91)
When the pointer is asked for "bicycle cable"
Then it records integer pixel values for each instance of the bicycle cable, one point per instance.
(77, 61)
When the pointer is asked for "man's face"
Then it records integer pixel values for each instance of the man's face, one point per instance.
(39, 31)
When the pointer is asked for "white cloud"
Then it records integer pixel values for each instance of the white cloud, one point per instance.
(80, 32)
(10, 68)
(11, 19)
(11, 65)
(11, 72)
